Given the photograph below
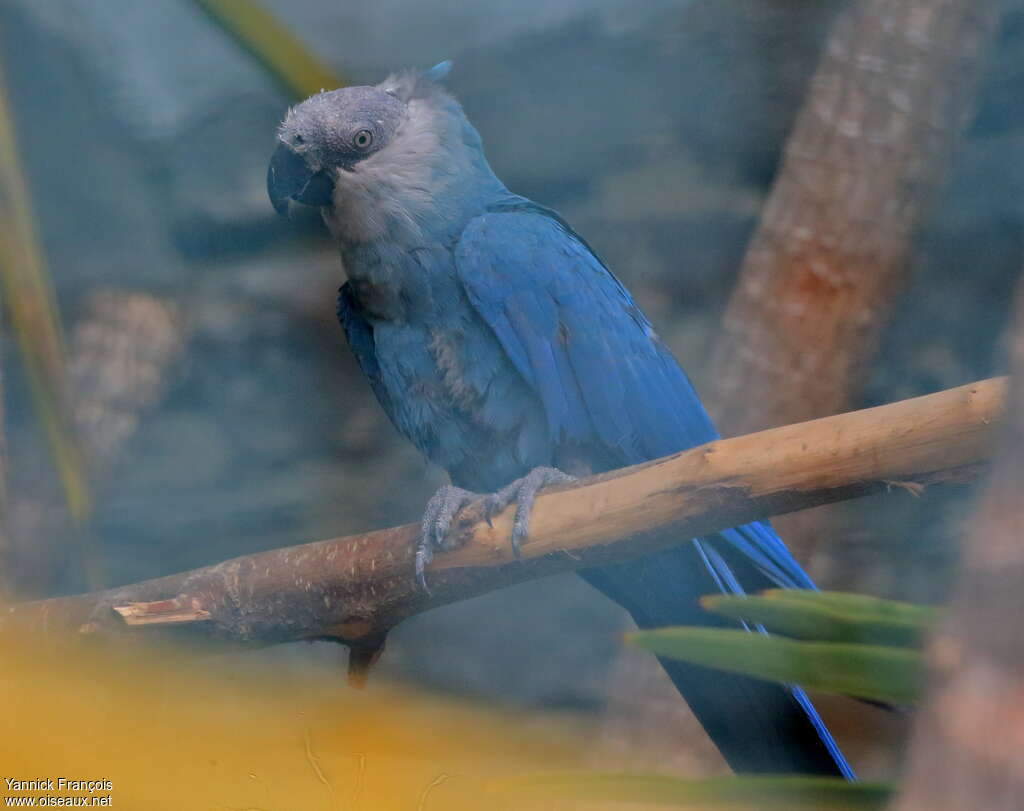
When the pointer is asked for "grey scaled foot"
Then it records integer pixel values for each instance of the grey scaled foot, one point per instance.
(445, 504)
(441, 510)
(522, 492)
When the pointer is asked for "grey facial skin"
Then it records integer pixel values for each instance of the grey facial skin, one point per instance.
(326, 134)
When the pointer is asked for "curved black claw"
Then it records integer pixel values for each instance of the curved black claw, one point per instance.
(441, 510)
(523, 492)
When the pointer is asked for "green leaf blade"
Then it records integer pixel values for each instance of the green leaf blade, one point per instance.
(874, 672)
(860, 605)
(721, 794)
(29, 302)
(821, 620)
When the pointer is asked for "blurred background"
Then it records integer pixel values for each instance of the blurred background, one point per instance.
(211, 379)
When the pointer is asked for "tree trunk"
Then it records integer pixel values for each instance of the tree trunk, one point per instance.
(967, 750)
(874, 139)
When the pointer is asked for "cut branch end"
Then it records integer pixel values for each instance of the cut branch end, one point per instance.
(161, 612)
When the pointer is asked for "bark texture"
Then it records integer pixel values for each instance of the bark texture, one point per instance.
(121, 350)
(874, 138)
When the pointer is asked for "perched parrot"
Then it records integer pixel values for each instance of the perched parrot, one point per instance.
(501, 346)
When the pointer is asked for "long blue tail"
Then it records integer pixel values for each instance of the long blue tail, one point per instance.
(758, 726)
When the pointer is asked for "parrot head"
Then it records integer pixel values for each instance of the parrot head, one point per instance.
(360, 150)
(329, 133)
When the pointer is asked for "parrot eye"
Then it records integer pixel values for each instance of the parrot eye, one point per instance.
(363, 139)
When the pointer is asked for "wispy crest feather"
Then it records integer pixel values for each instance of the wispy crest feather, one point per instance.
(411, 84)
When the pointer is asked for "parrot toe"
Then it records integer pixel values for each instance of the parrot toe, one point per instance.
(446, 503)
(441, 510)
(522, 493)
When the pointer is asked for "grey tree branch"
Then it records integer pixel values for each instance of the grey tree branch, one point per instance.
(355, 589)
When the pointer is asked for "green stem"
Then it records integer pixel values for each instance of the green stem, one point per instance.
(284, 56)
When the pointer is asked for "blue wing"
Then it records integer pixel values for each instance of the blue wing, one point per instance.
(360, 339)
(574, 334)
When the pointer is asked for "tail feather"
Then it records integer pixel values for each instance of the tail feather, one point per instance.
(758, 726)
(728, 584)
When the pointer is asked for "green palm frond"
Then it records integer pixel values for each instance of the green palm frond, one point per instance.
(829, 616)
(877, 672)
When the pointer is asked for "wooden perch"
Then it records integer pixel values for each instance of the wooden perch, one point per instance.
(355, 589)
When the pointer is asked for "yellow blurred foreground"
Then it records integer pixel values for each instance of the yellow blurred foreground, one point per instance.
(159, 727)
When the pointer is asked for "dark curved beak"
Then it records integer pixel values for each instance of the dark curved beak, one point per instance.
(289, 178)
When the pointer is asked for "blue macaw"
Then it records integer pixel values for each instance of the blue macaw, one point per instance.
(502, 347)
